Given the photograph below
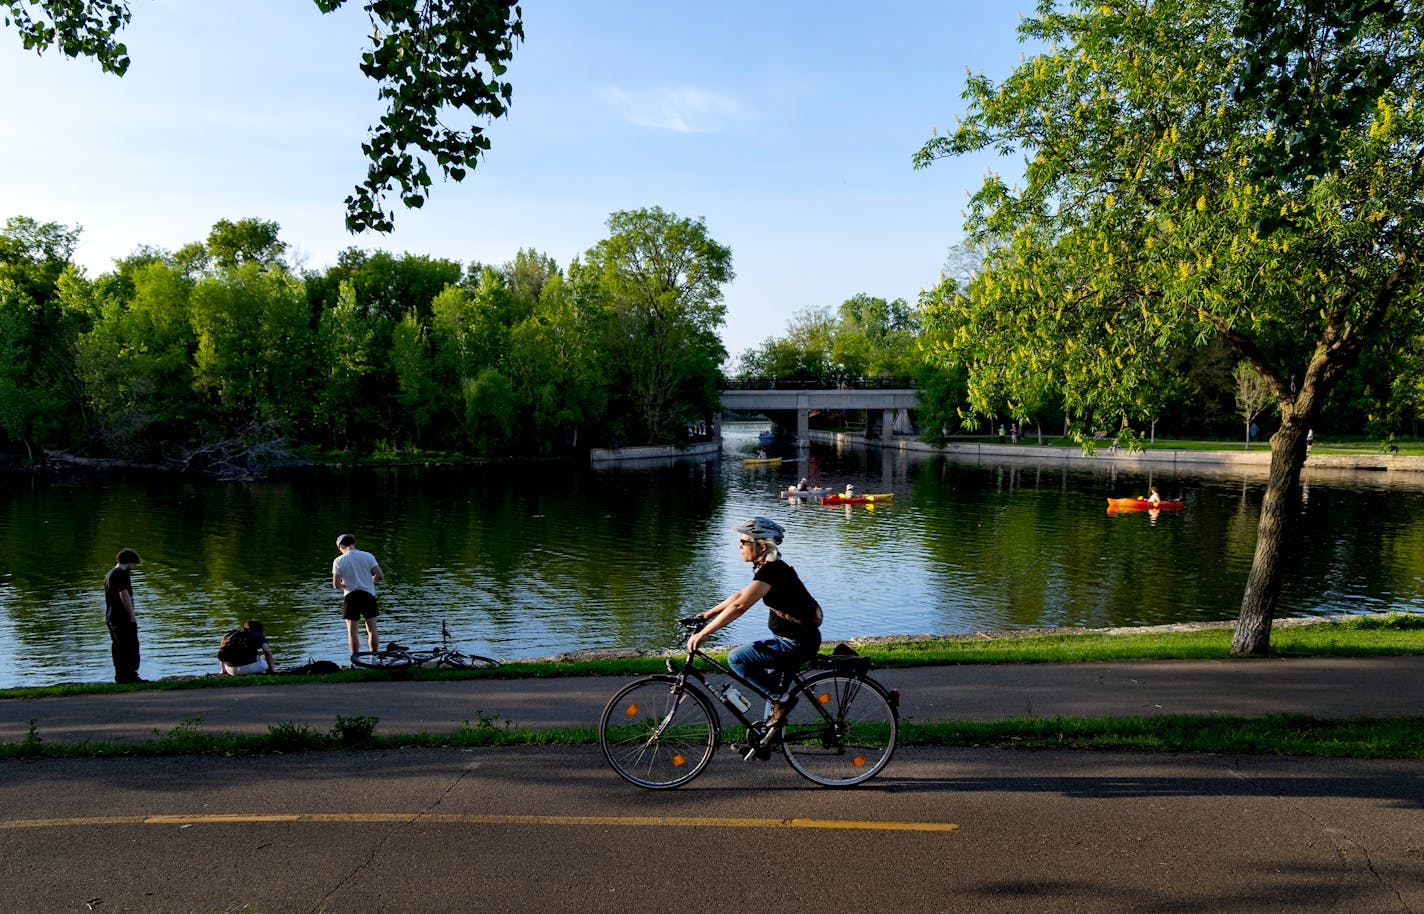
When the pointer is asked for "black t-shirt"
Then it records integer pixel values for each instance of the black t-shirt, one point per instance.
(794, 610)
(116, 581)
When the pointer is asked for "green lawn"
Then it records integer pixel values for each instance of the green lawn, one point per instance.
(1394, 634)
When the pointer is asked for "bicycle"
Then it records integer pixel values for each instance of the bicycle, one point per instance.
(660, 732)
(398, 657)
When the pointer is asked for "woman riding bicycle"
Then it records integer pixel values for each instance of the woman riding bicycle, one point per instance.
(794, 619)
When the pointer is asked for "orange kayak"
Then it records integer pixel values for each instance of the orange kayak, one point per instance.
(1142, 504)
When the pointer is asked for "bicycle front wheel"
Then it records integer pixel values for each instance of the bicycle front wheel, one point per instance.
(841, 731)
(657, 734)
(382, 660)
(464, 661)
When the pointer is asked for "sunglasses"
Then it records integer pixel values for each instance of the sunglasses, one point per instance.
(746, 542)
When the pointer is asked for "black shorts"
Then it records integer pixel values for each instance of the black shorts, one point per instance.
(359, 604)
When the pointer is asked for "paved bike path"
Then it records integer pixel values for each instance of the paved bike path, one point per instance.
(1322, 687)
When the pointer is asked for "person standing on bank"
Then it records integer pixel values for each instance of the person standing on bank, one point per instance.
(120, 616)
(794, 618)
(355, 573)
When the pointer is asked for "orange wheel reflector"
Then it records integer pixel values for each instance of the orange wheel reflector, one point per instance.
(679, 760)
(857, 761)
(824, 698)
(632, 709)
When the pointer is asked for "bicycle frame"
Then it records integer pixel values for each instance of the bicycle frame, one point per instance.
(447, 654)
(425, 655)
(689, 670)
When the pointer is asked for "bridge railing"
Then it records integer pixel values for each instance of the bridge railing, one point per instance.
(875, 383)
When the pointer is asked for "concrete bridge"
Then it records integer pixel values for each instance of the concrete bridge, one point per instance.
(788, 404)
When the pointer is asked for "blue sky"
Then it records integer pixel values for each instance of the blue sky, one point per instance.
(787, 126)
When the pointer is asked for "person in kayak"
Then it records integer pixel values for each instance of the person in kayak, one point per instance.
(794, 617)
(1155, 497)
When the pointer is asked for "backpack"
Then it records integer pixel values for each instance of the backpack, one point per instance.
(314, 667)
(238, 648)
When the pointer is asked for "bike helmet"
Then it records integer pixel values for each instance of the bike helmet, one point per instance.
(761, 528)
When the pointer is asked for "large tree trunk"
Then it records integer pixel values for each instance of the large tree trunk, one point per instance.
(1274, 537)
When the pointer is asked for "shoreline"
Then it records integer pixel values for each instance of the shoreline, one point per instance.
(1257, 459)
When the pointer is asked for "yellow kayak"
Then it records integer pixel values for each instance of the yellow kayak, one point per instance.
(761, 461)
(857, 499)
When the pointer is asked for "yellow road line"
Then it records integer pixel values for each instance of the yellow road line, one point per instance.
(400, 818)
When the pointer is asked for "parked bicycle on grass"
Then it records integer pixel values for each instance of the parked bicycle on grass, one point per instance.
(397, 657)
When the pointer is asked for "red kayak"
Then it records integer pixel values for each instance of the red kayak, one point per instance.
(1142, 504)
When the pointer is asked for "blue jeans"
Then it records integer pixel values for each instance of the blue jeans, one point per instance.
(766, 664)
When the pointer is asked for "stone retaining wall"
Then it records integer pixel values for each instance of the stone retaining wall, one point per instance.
(1258, 457)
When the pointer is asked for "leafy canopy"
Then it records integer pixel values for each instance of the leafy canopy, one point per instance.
(1150, 217)
(439, 66)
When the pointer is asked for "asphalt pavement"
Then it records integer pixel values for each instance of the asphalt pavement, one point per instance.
(550, 828)
(1321, 687)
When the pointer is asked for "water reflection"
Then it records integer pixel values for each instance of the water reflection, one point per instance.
(529, 561)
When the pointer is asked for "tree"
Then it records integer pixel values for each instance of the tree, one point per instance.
(231, 244)
(1253, 395)
(387, 286)
(253, 345)
(660, 277)
(84, 29)
(554, 361)
(435, 62)
(345, 343)
(39, 391)
(806, 352)
(137, 359)
(1152, 217)
(876, 336)
(469, 336)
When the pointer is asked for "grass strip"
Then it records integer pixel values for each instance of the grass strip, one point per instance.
(1279, 734)
(1367, 636)
(1275, 734)
(1391, 634)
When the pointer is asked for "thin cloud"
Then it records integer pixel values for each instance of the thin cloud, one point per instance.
(681, 109)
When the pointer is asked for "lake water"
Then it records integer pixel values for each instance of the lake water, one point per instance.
(527, 561)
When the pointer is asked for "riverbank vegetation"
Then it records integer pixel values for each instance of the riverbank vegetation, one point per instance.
(1392, 634)
(224, 357)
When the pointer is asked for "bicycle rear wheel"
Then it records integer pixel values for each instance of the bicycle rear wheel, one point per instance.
(657, 735)
(382, 660)
(464, 661)
(842, 730)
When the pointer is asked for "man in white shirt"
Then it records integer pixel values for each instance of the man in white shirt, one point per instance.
(355, 573)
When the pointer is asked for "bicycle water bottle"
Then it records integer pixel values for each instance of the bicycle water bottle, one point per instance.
(736, 698)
